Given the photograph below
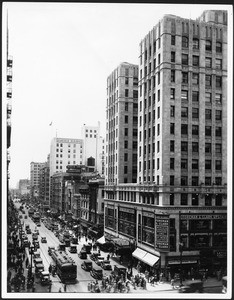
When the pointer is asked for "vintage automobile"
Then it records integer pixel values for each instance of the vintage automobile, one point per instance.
(82, 254)
(87, 265)
(37, 260)
(36, 244)
(96, 272)
(43, 239)
(73, 249)
(94, 255)
(87, 248)
(99, 260)
(34, 236)
(38, 269)
(192, 286)
(45, 278)
(50, 249)
(28, 231)
(74, 240)
(105, 264)
(62, 247)
(36, 254)
(120, 270)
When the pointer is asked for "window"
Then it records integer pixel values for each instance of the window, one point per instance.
(125, 156)
(172, 94)
(158, 77)
(158, 163)
(184, 129)
(126, 131)
(172, 75)
(208, 114)
(218, 165)
(195, 44)
(184, 163)
(218, 148)
(195, 148)
(158, 112)
(218, 131)
(195, 129)
(195, 96)
(218, 98)
(218, 115)
(172, 180)
(208, 62)
(218, 47)
(126, 93)
(126, 80)
(207, 147)
(184, 146)
(195, 199)
(208, 164)
(172, 199)
(194, 180)
(158, 95)
(184, 95)
(218, 63)
(207, 180)
(172, 146)
(218, 200)
(125, 169)
(184, 199)
(184, 180)
(172, 110)
(172, 163)
(185, 42)
(218, 81)
(173, 40)
(195, 113)
(195, 78)
(126, 119)
(126, 106)
(172, 128)
(208, 97)
(195, 164)
(207, 130)
(173, 56)
(218, 180)
(184, 59)
(208, 81)
(185, 77)
(208, 45)
(159, 59)
(158, 129)
(195, 60)
(158, 146)
(184, 112)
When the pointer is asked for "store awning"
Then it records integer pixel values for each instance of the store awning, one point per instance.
(139, 253)
(121, 242)
(150, 259)
(145, 257)
(101, 240)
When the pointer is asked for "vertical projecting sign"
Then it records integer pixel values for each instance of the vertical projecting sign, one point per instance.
(162, 231)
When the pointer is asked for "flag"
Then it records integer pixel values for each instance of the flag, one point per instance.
(50, 124)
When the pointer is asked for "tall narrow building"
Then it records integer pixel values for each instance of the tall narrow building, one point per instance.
(121, 125)
(35, 168)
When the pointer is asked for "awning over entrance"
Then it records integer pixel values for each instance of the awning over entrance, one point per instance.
(150, 259)
(101, 240)
(145, 257)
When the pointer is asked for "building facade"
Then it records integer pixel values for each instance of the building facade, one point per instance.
(64, 152)
(177, 213)
(94, 145)
(35, 168)
(24, 187)
(121, 125)
(44, 186)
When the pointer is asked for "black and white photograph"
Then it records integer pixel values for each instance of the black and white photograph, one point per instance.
(117, 132)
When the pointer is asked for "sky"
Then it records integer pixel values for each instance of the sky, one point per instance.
(62, 56)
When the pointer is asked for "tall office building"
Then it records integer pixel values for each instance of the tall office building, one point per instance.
(121, 125)
(177, 212)
(94, 146)
(24, 187)
(35, 168)
(64, 152)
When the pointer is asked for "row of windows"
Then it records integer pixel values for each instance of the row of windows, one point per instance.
(196, 60)
(195, 111)
(91, 135)
(90, 131)
(195, 201)
(74, 163)
(208, 129)
(184, 166)
(69, 145)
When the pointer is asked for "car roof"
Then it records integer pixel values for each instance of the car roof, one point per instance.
(97, 268)
(88, 261)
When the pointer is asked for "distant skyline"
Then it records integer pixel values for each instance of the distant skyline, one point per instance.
(62, 56)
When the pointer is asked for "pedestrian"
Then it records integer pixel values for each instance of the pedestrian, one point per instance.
(108, 256)
(60, 290)
(65, 287)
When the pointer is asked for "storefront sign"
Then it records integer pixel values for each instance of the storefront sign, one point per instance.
(147, 214)
(162, 231)
(177, 262)
(128, 210)
(203, 216)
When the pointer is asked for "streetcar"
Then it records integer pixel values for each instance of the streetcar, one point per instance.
(65, 266)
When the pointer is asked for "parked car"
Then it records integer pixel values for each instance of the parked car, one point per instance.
(37, 260)
(28, 231)
(38, 269)
(87, 248)
(73, 249)
(50, 249)
(74, 240)
(99, 260)
(62, 247)
(38, 224)
(36, 254)
(25, 216)
(192, 286)
(120, 270)
(105, 264)
(96, 272)
(36, 244)
(43, 239)
(93, 256)
(45, 278)
(87, 265)
(82, 254)
(34, 237)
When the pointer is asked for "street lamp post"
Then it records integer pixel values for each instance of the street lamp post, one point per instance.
(181, 251)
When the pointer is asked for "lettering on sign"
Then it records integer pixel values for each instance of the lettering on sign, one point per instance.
(147, 214)
(129, 210)
(204, 216)
(162, 232)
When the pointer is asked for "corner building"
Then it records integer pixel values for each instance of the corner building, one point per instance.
(176, 214)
